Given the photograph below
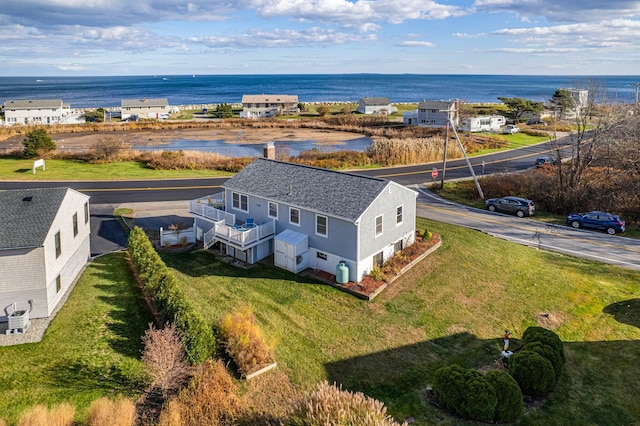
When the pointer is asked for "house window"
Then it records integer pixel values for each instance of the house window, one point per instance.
(75, 224)
(240, 202)
(58, 283)
(379, 225)
(322, 256)
(397, 246)
(86, 212)
(321, 225)
(273, 210)
(398, 215)
(58, 245)
(378, 260)
(294, 216)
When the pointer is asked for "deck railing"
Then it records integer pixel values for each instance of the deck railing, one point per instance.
(238, 236)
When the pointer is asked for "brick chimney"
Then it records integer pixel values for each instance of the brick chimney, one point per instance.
(269, 151)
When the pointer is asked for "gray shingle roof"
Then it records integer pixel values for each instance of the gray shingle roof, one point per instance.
(136, 103)
(25, 224)
(330, 192)
(435, 104)
(376, 101)
(33, 103)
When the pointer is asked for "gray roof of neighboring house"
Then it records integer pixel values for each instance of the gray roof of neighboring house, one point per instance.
(375, 101)
(144, 102)
(435, 104)
(25, 223)
(325, 191)
(274, 99)
(33, 103)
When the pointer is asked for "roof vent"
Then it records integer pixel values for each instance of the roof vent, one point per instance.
(28, 198)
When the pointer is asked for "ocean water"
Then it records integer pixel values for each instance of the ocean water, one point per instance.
(94, 92)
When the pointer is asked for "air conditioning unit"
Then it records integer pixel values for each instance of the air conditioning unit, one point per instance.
(18, 321)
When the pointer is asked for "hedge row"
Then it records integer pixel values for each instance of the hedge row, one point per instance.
(168, 299)
(469, 394)
(538, 365)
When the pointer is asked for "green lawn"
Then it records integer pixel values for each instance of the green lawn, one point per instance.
(12, 169)
(390, 347)
(91, 349)
(517, 140)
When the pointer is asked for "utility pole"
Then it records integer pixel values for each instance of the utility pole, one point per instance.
(637, 85)
(444, 155)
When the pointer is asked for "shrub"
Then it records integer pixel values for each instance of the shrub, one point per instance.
(549, 353)
(448, 387)
(38, 143)
(547, 337)
(107, 412)
(209, 400)
(243, 340)
(164, 357)
(533, 372)
(479, 397)
(39, 415)
(330, 405)
(509, 406)
(376, 273)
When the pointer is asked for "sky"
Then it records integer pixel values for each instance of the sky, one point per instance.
(181, 37)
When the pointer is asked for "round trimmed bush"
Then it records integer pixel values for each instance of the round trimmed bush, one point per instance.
(510, 405)
(479, 398)
(547, 337)
(549, 353)
(448, 387)
(533, 372)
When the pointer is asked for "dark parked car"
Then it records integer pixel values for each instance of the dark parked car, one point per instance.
(597, 220)
(548, 161)
(513, 205)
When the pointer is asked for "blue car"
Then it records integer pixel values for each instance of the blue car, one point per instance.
(597, 220)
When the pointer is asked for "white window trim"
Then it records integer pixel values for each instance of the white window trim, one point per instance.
(375, 224)
(401, 215)
(326, 221)
(290, 210)
(269, 204)
(239, 207)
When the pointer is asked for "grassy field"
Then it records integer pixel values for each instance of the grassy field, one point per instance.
(389, 348)
(91, 349)
(518, 140)
(12, 169)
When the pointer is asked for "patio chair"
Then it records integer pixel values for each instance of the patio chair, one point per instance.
(249, 223)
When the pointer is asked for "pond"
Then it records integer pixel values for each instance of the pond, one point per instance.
(283, 147)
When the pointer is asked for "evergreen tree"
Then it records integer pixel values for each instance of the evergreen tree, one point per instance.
(38, 143)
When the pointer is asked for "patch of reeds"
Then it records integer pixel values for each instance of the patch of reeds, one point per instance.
(108, 412)
(40, 415)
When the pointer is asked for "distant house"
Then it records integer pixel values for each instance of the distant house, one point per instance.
(144, 108)
(410, 118)
(376, 106)
(483, 123)
(308, 217)
(258, 106)
(44, 245)
(580, 98)
(437, 113)
(45, 111)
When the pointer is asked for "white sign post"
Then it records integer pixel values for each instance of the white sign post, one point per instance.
(38, 163)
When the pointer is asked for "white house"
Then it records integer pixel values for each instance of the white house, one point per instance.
(438, 113)
(44, 111)
(258, 106)
(44, 245)
(483, 123)
(376, 106)
(144, 108)
(308, 217)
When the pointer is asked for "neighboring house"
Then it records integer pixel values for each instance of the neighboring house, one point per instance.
(308, 217)
(144, 108)
(410, 118)
(44, 245)
(483, 123)
(258, 106)
(376, 106)
(46, 111)
(438, 113)
(580, 99)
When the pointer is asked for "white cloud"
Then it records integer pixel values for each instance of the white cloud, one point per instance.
(562, 10)
(416, 43)
(465, 35)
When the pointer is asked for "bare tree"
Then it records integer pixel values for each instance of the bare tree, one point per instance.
(164, 357)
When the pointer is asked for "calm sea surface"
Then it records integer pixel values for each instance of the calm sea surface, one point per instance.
(93, 92)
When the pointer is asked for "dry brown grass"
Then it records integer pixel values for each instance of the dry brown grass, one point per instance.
(40, 415)
(3, 423)
(210, 399)
(107, 412)
(330, 405)
(164, 357)
(243, 340)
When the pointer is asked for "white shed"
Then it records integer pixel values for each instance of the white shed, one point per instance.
(291, 251)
